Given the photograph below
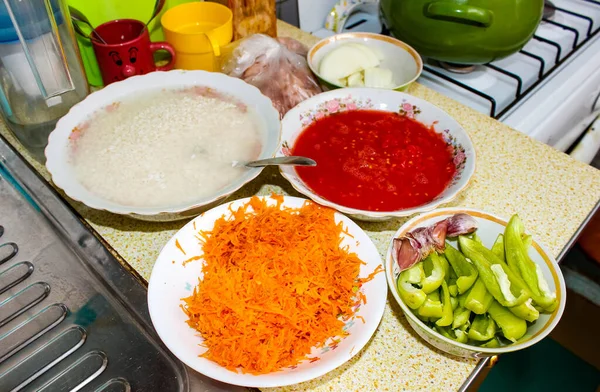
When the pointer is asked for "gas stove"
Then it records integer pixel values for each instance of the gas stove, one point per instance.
(562, 58)
(549, 90)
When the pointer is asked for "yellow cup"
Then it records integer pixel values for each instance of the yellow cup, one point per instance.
(197, 31)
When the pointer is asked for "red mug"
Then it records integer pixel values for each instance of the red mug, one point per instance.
(128, 50)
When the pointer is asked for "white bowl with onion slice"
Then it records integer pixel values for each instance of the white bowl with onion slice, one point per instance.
(364, 60)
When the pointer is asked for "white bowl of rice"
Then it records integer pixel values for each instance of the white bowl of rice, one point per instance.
(162, 146)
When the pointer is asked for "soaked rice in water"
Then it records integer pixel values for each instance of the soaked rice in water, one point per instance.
(166, 148)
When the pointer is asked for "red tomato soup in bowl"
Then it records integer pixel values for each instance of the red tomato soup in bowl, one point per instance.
(374, 160)
(380, 153)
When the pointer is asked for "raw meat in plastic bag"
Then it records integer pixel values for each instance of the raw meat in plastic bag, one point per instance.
(277, 67)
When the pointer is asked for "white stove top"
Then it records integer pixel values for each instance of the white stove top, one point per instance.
(555, 79)
(544, 90)
(503, 88)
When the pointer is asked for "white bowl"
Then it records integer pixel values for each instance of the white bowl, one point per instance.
(335, 101)
(489, 226)
(62, 171)
(170, 281)
(404, 62)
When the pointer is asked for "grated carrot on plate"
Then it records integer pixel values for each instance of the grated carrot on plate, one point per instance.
(276, 283)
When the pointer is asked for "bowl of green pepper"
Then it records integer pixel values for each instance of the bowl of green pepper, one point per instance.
(473, 284)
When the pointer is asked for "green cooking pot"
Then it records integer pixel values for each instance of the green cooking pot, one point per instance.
(463, 31)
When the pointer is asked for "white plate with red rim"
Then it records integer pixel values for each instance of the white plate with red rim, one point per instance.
(171, 280)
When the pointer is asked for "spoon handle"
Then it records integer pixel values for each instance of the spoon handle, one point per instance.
(78, 29)
(288, 161)
(76, 17)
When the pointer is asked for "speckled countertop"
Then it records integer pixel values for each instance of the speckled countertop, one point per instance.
(552, 193)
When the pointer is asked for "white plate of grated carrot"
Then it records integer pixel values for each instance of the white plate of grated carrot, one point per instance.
(267, 291)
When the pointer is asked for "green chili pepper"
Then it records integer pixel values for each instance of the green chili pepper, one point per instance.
(494, 343)
(551, 308)
(462, 299)
(434, 273)
(501, 282)
(512, 327)
(453, 301)
(461, 336)
(453, 290)
(461, 317)
(526, 311)
(527, 241)
(452, 284)
(445, 332)
(457, 335)
(498, 247)
(432, 307)
(465, 271)
(447, 315)
(451, 275)
(422, 318)
(412, 296)
(448, 273)
(518, 260)
(473, 236)
(501, 273)
(478, 299)
(482, 328)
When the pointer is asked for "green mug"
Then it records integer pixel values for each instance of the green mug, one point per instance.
(101, 11)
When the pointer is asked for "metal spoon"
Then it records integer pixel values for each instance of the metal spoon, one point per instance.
(158, 6)
(279, 161)
(78, 16)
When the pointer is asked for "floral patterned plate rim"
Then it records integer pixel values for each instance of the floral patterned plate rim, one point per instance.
(341, 100)
(171, 280)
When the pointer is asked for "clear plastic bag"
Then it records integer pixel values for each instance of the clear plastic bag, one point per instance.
(277, 67)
